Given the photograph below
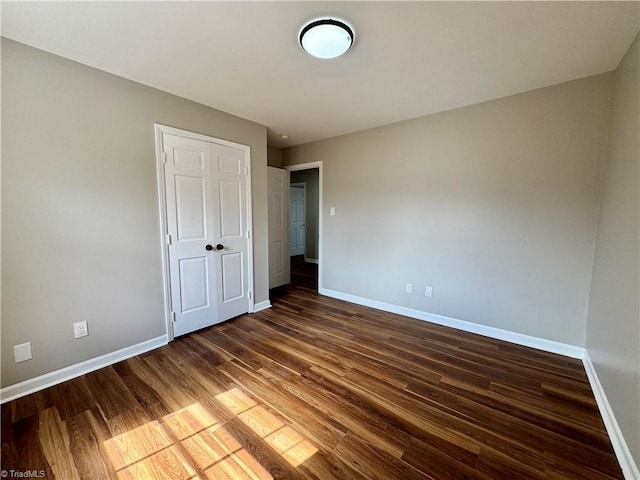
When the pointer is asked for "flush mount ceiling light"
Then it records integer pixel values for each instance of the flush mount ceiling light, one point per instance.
(326, 37)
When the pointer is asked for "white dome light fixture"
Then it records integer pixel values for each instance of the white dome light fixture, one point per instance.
(326, 37)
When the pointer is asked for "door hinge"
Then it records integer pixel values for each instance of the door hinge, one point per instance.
(168, 239)
(164, 157)
(248, 233)
(173, 316)
(249, 292)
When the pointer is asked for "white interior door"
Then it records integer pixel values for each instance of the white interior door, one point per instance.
(206, 212)
(298, 212)
(230, 229)
(278, 193)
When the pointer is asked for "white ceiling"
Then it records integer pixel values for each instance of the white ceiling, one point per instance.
(409, 58)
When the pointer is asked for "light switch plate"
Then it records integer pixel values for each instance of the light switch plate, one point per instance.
(332, 211)
(22, 352)
(428, 291)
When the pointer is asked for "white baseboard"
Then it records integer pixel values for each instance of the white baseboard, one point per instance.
(261, 306)
(311, 260)
(497, 333)
(620, 447)
(53, 378)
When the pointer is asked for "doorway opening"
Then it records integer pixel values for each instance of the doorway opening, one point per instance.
(306, 225)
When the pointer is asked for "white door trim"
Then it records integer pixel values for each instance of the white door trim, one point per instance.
(162, 202)
(309, 166)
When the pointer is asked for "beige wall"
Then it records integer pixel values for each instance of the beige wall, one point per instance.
(274, 156)
(613, 328)
(80, 221)
(310, 178)
(493, 205)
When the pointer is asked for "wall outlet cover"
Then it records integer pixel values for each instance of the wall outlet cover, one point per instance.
(22, 352)
(80, 329)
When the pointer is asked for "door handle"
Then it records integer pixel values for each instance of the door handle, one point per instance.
(208, 248)
(219, 247)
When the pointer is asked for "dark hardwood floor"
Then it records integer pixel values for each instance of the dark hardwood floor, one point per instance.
(318, 388)
(303, 274)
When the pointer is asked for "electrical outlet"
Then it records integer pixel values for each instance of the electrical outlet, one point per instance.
(80, 329)
(22, 352)
(428, 292)
(409, 288)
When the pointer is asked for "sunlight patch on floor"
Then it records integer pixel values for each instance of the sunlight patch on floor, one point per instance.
(171, 448)
(147, 452)
(192, 442)
(290, 444)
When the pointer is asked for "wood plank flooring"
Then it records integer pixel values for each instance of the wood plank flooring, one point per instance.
(304, 274)
(315, 388)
